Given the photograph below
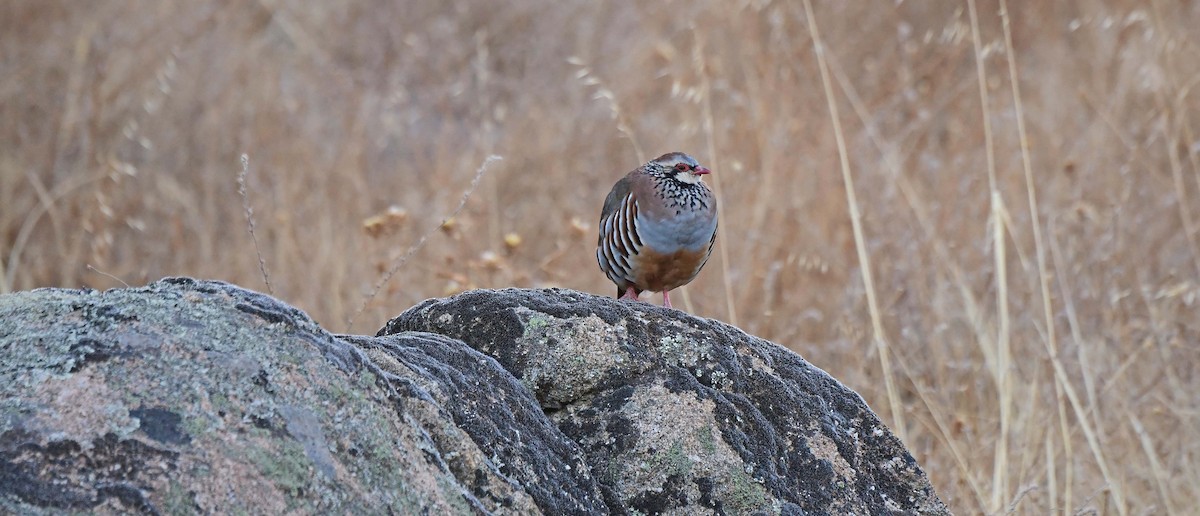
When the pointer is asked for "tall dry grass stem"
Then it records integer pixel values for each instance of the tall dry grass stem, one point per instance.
(878, 335)
(710, 140)
(1160, 474)
(1043, 274)
(939, 413)
(997, 228)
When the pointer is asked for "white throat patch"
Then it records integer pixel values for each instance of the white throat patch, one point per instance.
(687, 177)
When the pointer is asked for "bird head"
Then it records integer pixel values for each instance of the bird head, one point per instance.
(679, 166)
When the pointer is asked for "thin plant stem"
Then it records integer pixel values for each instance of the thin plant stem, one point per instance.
(864, 260)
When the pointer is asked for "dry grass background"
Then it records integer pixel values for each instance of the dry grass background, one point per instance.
(1037, 360)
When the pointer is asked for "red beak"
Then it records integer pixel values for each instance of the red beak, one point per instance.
(701, 171)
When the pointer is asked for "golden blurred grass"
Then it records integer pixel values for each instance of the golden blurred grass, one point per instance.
(1041, 373)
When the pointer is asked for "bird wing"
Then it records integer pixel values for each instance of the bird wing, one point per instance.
(619, 240)
(615, 197)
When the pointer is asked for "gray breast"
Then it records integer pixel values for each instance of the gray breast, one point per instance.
(690, 230)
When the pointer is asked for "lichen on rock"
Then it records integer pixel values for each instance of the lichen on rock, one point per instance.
(199, 396)
(678, 414)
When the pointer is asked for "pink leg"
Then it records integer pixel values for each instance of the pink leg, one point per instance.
(667, 298)
(630, 294)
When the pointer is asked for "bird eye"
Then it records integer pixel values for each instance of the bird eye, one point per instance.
(682, 167)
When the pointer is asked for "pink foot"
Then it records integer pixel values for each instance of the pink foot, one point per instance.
(630, 294)
(667, 298)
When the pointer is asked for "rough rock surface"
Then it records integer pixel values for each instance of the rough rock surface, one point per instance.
(198, 396)
(194, 396)
(686, 415)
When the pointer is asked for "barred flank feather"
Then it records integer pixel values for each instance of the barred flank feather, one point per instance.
(619, 243)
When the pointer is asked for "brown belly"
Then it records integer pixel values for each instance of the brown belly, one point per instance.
(658, 272)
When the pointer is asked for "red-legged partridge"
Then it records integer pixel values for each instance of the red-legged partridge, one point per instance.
(658, 227)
